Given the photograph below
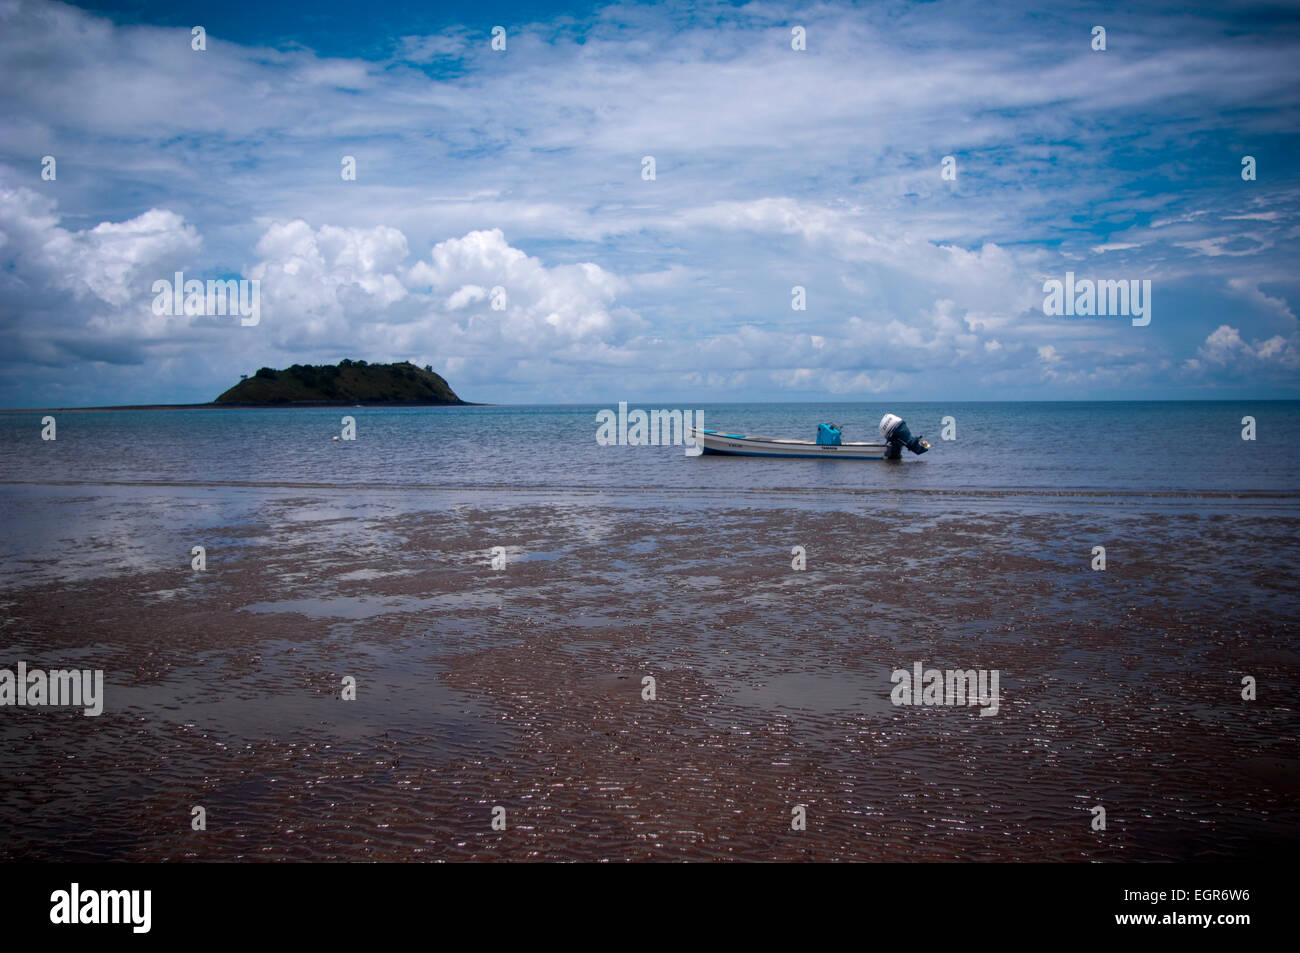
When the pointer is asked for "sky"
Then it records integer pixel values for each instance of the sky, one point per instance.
(775, 168)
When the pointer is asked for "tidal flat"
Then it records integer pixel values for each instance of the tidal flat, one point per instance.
(524, 687)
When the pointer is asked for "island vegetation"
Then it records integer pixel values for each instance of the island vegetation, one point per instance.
(348, 382)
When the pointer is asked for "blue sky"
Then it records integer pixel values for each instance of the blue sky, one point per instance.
(774, 168)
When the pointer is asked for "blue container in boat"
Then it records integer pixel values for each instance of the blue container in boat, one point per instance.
(828, 434)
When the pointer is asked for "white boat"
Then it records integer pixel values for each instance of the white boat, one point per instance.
(892, 429)
(748, 445)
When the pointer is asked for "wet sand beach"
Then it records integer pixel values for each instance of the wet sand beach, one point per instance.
(522, 687)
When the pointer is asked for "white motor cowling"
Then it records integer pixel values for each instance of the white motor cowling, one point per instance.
(888, 423)
(897, 436)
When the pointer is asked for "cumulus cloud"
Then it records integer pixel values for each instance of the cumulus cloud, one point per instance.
(328, 287)
(318, 283)
(102, 265)
(1224, 347)
(333, 283)
(70, 295)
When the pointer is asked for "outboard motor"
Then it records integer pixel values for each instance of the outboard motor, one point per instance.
(897, 436)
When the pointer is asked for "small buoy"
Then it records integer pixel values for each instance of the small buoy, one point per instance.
(336, 437)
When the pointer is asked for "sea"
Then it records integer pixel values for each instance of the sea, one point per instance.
(1038, 448)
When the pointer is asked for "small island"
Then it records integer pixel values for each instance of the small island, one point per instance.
(350, 382)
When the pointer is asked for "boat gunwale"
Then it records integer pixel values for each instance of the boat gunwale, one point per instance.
(787, 441)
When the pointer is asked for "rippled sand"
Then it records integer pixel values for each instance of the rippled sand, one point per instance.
(522, 688)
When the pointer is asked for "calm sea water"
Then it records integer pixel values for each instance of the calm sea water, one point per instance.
(1146, 447)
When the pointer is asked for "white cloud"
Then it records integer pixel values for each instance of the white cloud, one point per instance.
(68, 293)
(318, 283)
(1226, 348)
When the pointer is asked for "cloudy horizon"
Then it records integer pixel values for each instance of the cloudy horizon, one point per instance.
(774, 168)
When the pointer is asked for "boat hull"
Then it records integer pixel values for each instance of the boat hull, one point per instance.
(745, 445)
